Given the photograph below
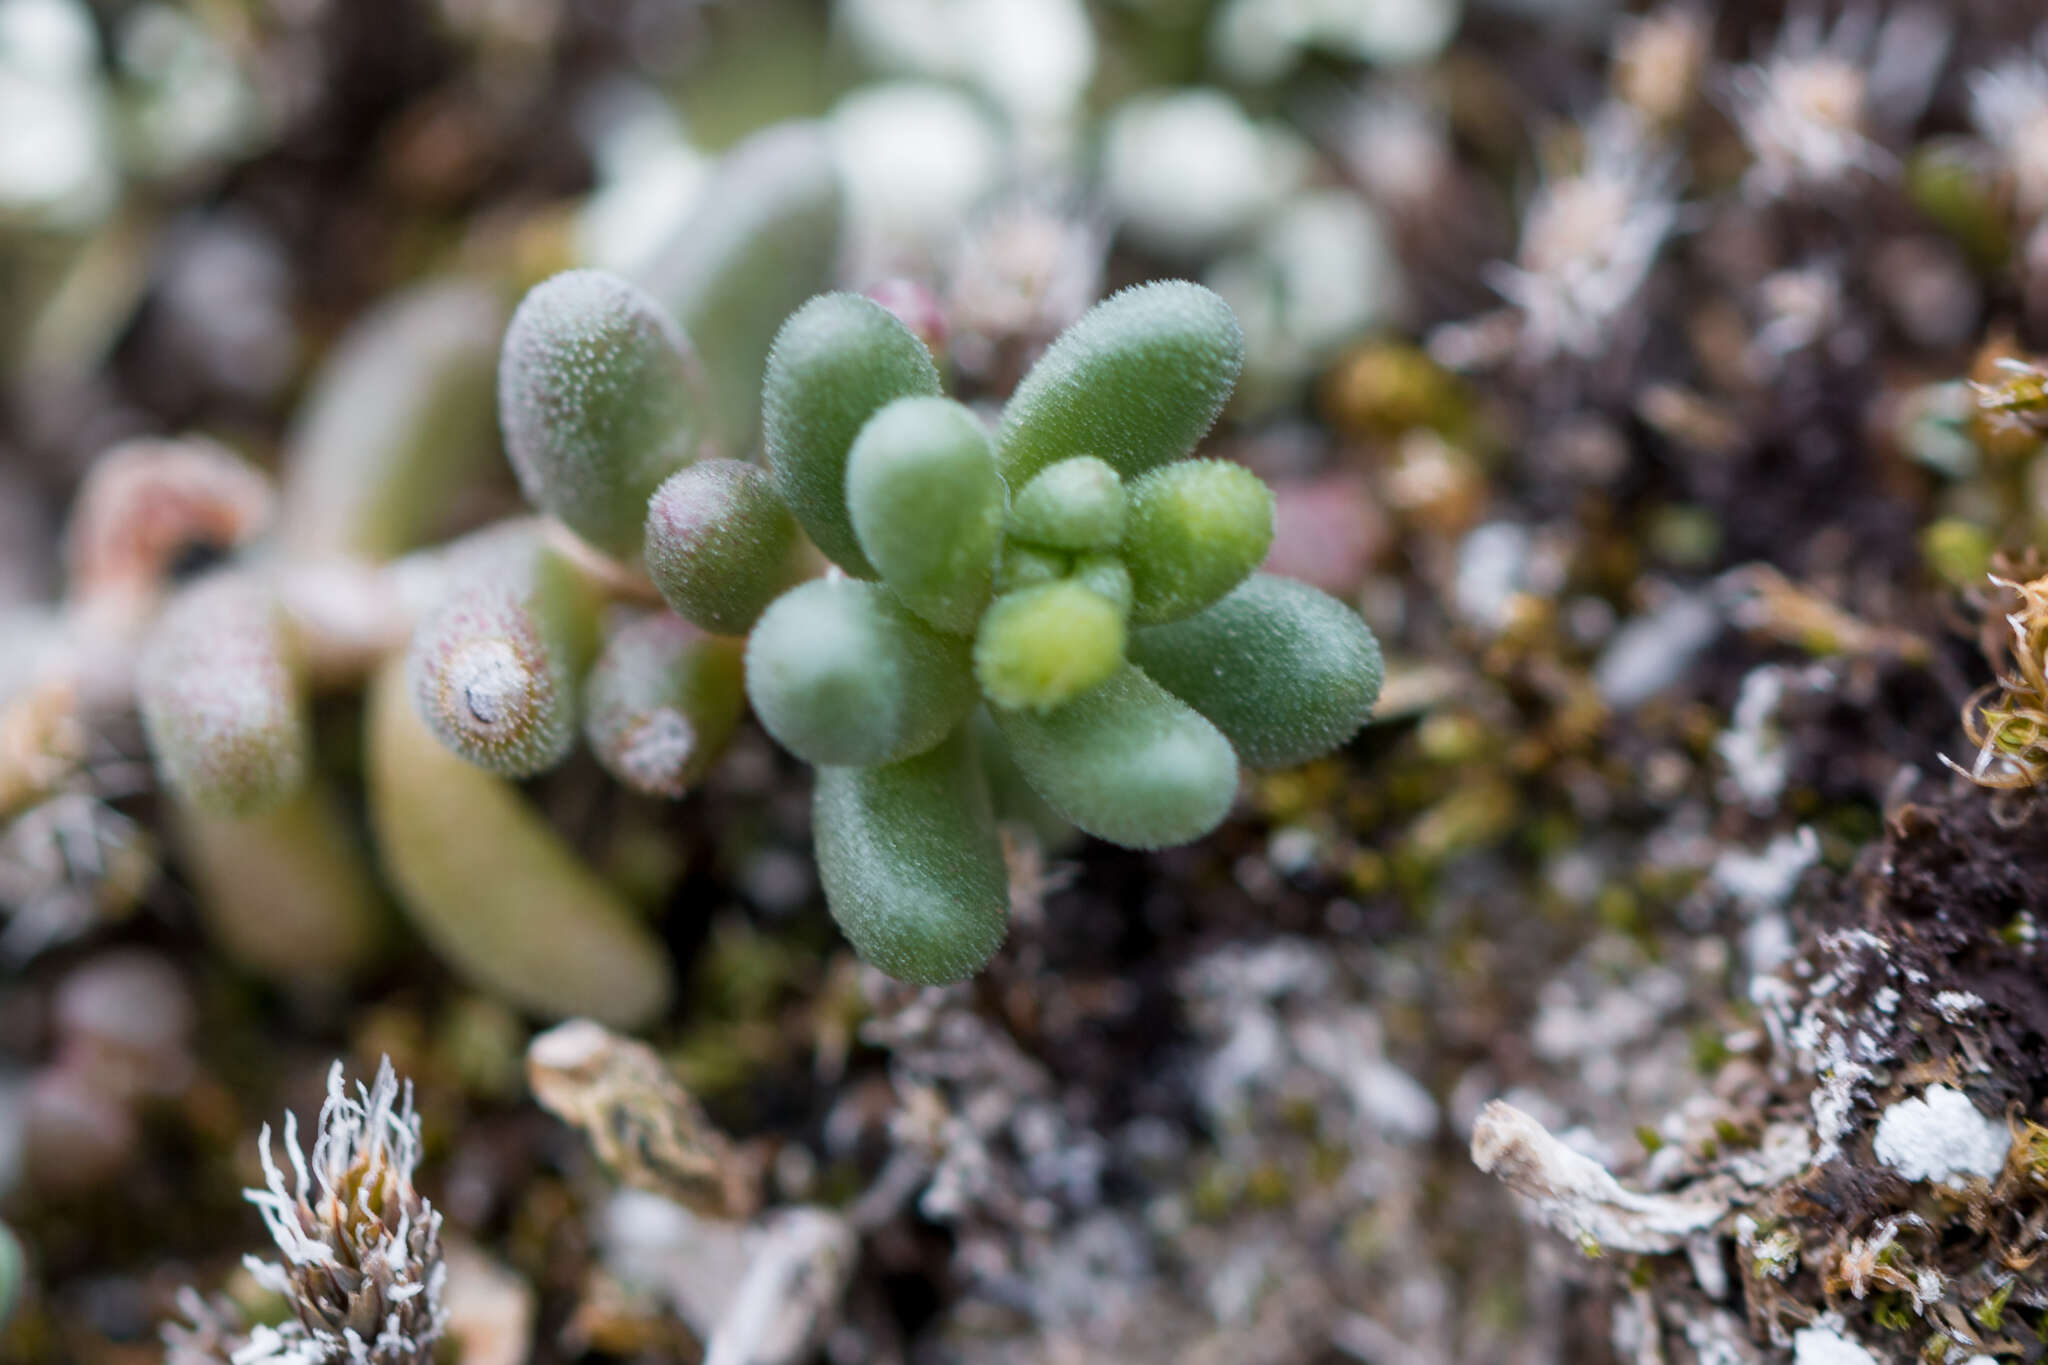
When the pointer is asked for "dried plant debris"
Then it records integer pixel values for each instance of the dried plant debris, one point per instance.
(360, 1266)
(644, 1126)
(2007, 720)
(1874, 1176)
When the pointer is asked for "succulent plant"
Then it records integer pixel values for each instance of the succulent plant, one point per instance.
(1069, 572)
(1052, 616)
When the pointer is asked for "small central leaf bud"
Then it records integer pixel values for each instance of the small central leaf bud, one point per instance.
(1077, 504)
(1025, 567)
(1040, 646)
(1105, 574)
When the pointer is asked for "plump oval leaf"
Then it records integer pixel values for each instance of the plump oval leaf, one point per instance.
(838, 360)
(720, 544)
(494, 888)
(1197, 529)
(912, 867)
(927, 507)
(222, 698)
(397, 420)
(843, 675)
(661, 701)
(1127, 762)
(763, 238)
(1137, 381)
(600, 400)
(288, 893)
(1284, 670)
(496, 661)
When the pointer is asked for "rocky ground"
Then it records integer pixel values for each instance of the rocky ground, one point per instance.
(1640, 987)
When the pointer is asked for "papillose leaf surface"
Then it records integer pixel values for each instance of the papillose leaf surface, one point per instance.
(838, 360)
(911, 863)
(1286, 671)
(1136, 382)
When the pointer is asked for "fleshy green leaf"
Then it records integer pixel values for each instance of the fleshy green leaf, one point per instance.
(927, 507)
(1127, 762)
(287, 893)
(1284, 670)
(1077, 504)
(13, 1273)
(601, 400)
(493, 887)
(495, 662)
(843, 675)
(222, 698)
(838, 360)
(912, 867)
(1040, 646)
(1197, 529)
(661, 701)
(764, 239)
(1137, 381)
(1011, 794)
(397, 420)
(720, 544)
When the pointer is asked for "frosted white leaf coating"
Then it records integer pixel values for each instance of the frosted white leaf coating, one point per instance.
(494, 662)
(661, 701)
(222, 700)
(600, 402)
